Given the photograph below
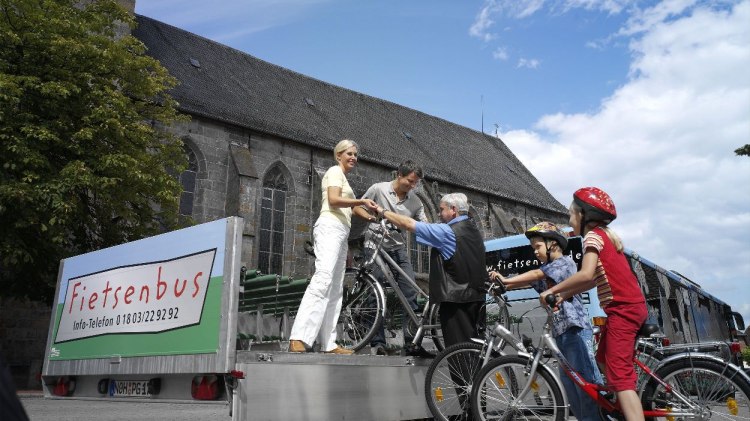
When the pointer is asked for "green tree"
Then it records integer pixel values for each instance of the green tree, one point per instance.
(83, 162)
(745, 150)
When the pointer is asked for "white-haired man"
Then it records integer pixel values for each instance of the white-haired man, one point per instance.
(457, 269)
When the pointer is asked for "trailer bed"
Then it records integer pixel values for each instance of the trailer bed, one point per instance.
(315, 386)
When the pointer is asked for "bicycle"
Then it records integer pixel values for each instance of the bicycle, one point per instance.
(364, 305)
(449, 377)
(684, 385)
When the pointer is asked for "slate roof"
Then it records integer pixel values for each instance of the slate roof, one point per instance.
(237, 88)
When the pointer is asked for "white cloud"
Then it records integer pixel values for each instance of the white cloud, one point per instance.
(644, 20)
(662, 145)
(514, 9)
(529, 63)
(500, 53)
(483, 22)
(610, 6)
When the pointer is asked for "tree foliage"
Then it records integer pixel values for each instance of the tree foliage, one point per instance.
(745, 150)
(83, 164)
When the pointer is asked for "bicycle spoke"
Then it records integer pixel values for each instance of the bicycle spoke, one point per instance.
(716, 391)
(448, 380)
(497, 393)
(360, 313)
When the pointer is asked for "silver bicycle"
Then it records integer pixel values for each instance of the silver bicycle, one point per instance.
(364, 306)
(365, 302)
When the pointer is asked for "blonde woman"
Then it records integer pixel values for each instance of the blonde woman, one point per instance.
(319, 310)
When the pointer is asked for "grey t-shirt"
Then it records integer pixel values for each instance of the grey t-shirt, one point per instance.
(384, 195)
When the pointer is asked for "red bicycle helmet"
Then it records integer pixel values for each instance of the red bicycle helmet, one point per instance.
(596, 204)
(548, 231)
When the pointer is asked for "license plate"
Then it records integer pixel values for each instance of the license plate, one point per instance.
(136, 388)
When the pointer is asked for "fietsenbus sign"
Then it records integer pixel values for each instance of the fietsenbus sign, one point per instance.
(149, 297)
(156, 296)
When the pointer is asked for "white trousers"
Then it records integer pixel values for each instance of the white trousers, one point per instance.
(320, 307)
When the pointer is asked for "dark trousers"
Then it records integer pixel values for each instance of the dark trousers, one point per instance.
(459, 321)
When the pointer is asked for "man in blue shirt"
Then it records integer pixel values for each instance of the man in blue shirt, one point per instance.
(457, 269)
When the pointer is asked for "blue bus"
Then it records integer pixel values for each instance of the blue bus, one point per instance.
(685, 312)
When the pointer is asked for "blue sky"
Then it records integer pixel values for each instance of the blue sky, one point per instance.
(647, 100)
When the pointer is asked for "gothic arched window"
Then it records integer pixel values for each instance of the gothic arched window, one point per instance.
(187, 179)
(272, 211)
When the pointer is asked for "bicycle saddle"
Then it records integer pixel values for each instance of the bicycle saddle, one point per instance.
(647, 329)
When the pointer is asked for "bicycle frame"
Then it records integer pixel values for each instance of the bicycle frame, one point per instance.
(386, 265)
(598, 392)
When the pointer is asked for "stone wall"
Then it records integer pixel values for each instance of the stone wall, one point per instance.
(233, 162)
(23, 336)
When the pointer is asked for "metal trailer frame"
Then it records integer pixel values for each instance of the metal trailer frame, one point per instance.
(258, 385)
(314, 386)
(176, 371)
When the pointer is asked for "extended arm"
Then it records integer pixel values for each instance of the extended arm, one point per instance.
(400, 221)
(581, 281)
(335, 200)
(362, 213)
(520, 281)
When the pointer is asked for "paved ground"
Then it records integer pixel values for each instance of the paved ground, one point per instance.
(40, 409)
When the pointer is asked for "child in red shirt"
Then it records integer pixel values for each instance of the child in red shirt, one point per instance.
(620, 296)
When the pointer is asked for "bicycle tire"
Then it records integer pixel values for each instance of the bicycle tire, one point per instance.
(446, 398)
(436, 334)
(720, 388)
(499, 382)
(359, 317)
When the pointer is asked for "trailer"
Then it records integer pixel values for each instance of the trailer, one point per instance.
(169, 318)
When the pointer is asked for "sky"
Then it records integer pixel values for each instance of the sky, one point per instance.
(647, 100)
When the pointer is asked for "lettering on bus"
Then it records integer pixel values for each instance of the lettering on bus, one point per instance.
(517, 260)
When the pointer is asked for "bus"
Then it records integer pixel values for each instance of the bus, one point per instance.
(685, 312)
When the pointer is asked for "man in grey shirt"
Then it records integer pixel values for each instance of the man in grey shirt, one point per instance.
(395, 196)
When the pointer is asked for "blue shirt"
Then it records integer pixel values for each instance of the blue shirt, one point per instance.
(439, 236)
(571, 313)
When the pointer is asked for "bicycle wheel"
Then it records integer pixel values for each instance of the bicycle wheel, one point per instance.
(495, 394)
(436, 334)
(361, 311)
(720, 390)
(447, 384)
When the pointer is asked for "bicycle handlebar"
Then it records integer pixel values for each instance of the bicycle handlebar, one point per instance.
(550, 299)
(495, 288)
(379, 243)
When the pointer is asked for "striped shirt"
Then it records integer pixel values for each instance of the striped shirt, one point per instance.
(615, 282)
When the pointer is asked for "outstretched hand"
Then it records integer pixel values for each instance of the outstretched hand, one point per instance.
(497, 277)
(370, 205)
